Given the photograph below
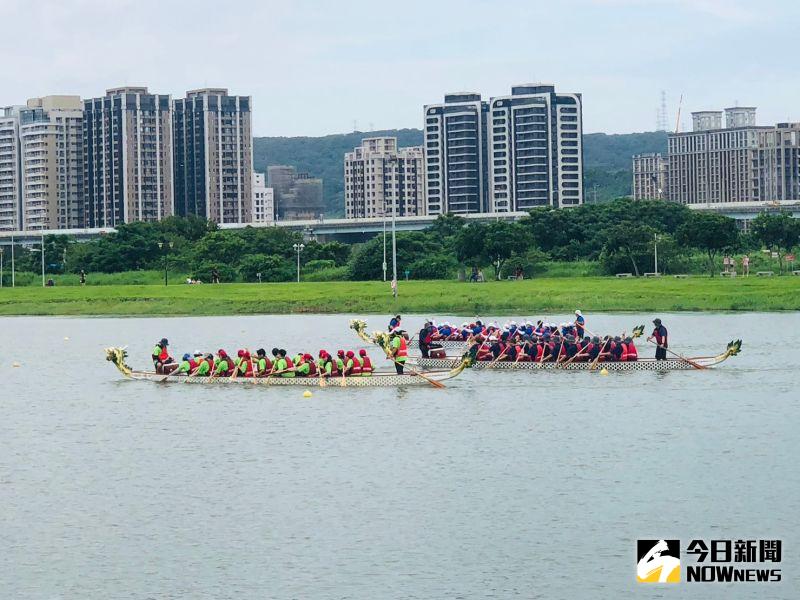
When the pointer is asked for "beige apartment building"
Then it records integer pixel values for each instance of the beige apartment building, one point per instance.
(650, 173)
(51, 160)
(128, 157)
(381, 179)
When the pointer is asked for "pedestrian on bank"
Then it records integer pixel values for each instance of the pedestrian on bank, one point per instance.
(82, 277)
(660, 336)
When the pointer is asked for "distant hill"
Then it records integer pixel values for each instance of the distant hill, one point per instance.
(607, 158)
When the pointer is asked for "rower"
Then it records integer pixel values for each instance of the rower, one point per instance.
(616, 349)
(284, 366)
(185, 365)
(660, 335)
(632, 353)
(204, 364)
(399, 351)
(245, 366)
(424, 337)
(579, 323)
(366, 363)
(223, 363)
(302, 365)
(340, 358)
(352, 368)
(161, 355)
(263, 364)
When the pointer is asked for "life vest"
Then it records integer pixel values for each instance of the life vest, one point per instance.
(246, 367)
(632, 353)
(539, 351)
(160, 354)
(366, 365)
(289, 363)
(312, 368)
(403, 349)
(193, 364)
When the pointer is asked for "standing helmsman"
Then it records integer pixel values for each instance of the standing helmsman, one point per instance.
(660, 336)
(579, 323)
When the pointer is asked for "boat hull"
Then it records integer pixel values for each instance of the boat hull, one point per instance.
(375, 380)
(646, 364)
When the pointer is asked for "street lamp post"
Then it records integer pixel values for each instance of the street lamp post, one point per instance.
(13, 281)
(166, 247)
(1, 267)
(393, 163)
(655, 251)
(43, 258)
(384, 235)
(298, 248)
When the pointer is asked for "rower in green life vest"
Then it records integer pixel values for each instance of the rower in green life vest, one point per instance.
(366, 363)
(204, 364)
(161, 355)
(185, 365)
(263, 365)
(352, 366)
(284, 366)
(223, 365)
(399, 351)
(325, 364)
(339, 362)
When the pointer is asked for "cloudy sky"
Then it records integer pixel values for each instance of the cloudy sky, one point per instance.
(316, 67)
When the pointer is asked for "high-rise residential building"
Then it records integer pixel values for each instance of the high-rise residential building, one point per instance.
(535, 149)
(650, 173)
(128, 157)
(214, 156)
(456, 160)
(263, 200)
(10, 176)
(298, 196)
(381, 179)
(51, 163)
(512, 153)
(714, 165)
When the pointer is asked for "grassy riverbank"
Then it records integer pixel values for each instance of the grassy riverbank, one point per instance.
(530, 297)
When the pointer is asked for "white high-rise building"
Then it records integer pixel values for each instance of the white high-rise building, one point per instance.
(381, 179)
(10, 176)
(51, 151)
(512, 153)
(535, 149)
(263, 200)
(650, 173)
(456, 161)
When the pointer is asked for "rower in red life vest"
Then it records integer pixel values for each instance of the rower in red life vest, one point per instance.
(245, 366)
(262, 363)
(366, 363)
(630, 348)
(352, 367)
(161, 356)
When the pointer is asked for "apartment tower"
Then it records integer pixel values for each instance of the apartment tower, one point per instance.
(51, 163)
(214, 156)
(128, 157)
(10, 176)
(535, 149)
(455, 152)
(381, 180)
(650, 173)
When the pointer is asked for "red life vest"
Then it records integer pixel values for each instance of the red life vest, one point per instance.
(246, 367)
(366, 365)
(631, 354)
(403, 349)
(312, 368)
(164, 354)
(539, 352)
(334, 366)
(193, 364)
(289, 363)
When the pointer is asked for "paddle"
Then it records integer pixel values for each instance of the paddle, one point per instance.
(683, 358)
(593, 366)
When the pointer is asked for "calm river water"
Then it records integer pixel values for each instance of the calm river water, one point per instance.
(503, 485)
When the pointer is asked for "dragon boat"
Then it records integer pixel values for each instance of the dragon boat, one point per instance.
(118, 357)
(642, 364)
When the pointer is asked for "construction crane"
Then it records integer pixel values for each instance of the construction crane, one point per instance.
(678, 120)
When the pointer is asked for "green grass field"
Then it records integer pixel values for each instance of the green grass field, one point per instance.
(534, 296)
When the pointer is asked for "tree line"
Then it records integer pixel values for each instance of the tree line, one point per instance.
(618, 237)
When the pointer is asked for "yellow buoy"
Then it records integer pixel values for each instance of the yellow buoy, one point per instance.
(307, 394)
(15, 364)
(603, 371)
